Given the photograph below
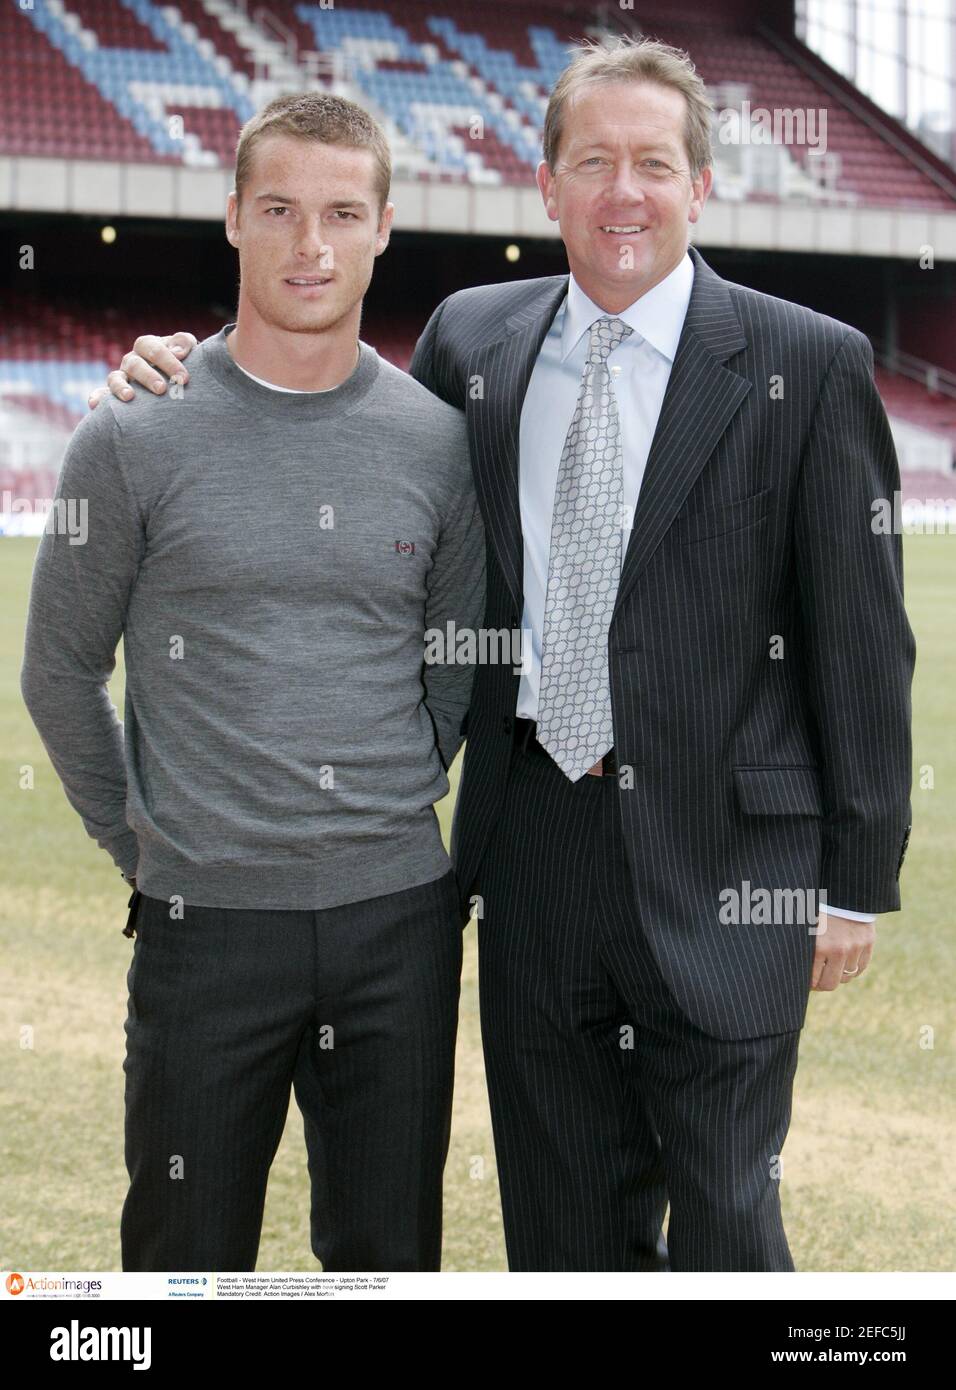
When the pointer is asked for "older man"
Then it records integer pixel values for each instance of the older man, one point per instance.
(711, 740)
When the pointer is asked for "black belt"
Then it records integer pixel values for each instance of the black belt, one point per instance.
(526, 739)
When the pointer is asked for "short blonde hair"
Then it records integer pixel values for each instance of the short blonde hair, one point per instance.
(629, 60)
(318, 116)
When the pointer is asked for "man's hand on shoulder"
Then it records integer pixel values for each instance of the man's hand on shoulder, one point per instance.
(150, 362)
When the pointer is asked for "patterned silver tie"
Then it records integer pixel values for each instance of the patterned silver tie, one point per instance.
(584, 570)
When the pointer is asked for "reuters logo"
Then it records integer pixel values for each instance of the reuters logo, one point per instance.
(14, 1283)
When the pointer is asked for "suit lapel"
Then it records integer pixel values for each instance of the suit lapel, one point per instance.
(501, 371)
(702, 397)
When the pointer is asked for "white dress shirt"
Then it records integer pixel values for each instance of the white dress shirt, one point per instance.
(640, 369)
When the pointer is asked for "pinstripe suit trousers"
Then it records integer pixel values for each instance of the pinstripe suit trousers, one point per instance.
(606, 1101)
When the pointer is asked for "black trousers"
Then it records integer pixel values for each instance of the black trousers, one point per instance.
(606, 1102)
(355, 1007)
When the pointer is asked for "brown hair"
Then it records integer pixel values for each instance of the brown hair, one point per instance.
(317, 116)
(630, 60)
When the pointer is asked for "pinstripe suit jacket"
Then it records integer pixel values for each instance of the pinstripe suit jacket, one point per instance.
(760, 656)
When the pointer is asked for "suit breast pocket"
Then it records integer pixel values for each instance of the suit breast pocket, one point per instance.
(713, 522)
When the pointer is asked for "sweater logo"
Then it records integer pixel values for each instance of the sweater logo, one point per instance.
(405, 547)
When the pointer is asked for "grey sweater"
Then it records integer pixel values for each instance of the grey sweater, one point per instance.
(272, 562)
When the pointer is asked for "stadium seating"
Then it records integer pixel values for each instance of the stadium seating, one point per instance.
(461, 89)
(107, 78)
(914, 402)
(52, 356)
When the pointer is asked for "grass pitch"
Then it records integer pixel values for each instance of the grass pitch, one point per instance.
(866, 1185)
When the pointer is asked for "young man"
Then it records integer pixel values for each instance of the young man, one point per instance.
(272, 546)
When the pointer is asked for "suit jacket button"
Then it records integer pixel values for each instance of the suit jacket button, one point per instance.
(507, 724)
